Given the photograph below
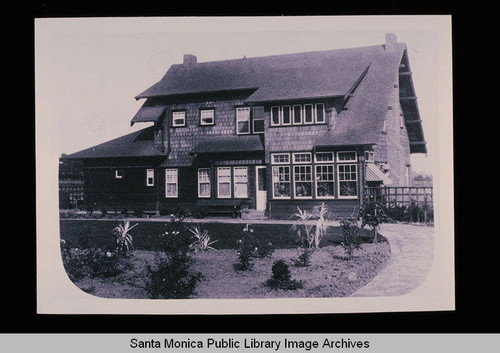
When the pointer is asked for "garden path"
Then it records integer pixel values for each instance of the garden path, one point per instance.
(412, 248)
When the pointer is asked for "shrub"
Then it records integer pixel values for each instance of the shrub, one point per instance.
(281, 278)
(249, 247)
(303, 259)
(350, 237)
(172, 277)
(372, 214)
(310, 227)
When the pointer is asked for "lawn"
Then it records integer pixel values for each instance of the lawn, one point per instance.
(330, 272)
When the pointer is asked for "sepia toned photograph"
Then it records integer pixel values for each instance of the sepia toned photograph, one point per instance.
(258, 164)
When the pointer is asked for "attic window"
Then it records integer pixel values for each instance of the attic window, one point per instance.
(207, 117)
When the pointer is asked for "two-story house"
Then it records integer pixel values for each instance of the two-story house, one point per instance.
(272, 132)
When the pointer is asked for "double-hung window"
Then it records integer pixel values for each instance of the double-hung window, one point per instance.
(258, 120)
(224, 182)
(275, 116)
(302, 177)
(324, 181)
(204, 182)
(240, 182)
(347, 174)
(308, 114)
(150, 177)
(243, 120)
(297, 114)
(171, 183)
(286, 115)
(281, 182)
(320, 113)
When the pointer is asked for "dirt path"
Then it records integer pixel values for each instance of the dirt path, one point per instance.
(412, 248)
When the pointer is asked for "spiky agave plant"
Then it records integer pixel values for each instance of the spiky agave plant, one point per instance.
(310, 226)
(124, 240)
(202, 239)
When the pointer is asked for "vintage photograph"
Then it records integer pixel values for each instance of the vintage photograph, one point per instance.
(194, 159)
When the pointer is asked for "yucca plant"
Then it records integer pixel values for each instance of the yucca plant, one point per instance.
(124, 240)
(310, 226)
(202, 239)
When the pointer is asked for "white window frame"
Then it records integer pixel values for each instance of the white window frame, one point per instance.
(275, 181)
(118, 173)
(340, 181)
(300, 181)
(219, 182)
(293, 114)
(312, 114)
(236, 181)
(206, 110)
(283, 115)
(174, 118)
(238, 120)
(280, 154)
(326, 181)
(347, 160)
(369, 156)
(262, 119)
(302, 162)
(175, 172)
(150, 175)
(207, 181)
(279, 116)
(316, 113)
(329, 153)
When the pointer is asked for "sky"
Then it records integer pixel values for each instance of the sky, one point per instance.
(88, 70)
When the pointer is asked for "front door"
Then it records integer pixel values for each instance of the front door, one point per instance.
(260, 186)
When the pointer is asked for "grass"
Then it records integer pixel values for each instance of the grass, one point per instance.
(330, 273)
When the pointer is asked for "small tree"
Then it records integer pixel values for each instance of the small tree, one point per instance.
(373, 214)
(281, 278)
(350, 236)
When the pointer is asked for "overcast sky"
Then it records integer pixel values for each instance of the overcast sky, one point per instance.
(88, 70)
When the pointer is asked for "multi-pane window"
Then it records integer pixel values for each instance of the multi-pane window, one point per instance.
(224, 182)
(308, 114)
(275, 116)
(240, 182)
(323, 157)
(348, 184)
(281, 182)
(204, 182)
(286, 115)
(150, 177)
(297, 114)
(179, 118)
(346, 157)
(302, 157)
(171, 183)
(258, 120)
(320, 113)
(324, 181)
(280, 158)
(302, 176)
(207, 116)
(243, 120)
(370, 156)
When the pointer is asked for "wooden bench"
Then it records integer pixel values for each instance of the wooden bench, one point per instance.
(230, 207)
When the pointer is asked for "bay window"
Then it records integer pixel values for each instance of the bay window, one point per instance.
(348, 180)
(324, 181)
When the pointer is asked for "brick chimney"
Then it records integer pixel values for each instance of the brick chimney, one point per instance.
(189, 59)
(390, 41)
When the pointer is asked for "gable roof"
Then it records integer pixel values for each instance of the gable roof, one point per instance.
(278, 77)
(137, 144)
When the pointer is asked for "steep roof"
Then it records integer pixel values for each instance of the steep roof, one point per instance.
(278, 77)
(137, 144)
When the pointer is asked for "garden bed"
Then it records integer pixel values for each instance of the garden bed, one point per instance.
(330, 274)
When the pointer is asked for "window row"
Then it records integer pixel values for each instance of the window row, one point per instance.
(298, 114)
(323, 186)
(231, 182)
(319, 157)
(206, 117)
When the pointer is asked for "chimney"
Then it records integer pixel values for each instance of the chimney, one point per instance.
(189, 59)
(390, 41)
